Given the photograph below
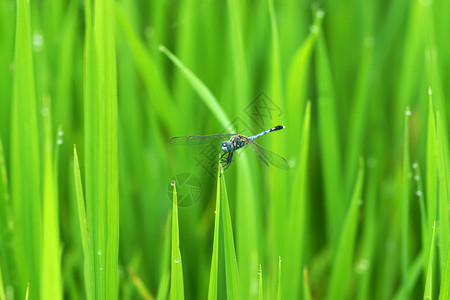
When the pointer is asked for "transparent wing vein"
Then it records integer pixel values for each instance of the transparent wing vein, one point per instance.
(273, 158)
(194, 140)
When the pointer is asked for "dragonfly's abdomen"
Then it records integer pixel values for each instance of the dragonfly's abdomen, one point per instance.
(279, 127)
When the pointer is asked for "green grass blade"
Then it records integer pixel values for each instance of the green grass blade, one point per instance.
(306, 285)
(343, 260)
(100, 108)
(25, 156)
(140, 286)
(86, 243)
(297, 79)
(164, 283)
(358, 116)
(443, 216)
(202, 90)
(260, 286)
(104, 32)
(231, 268)
(212, 290)
(51, 283)
(240, 72)
(5, 214)
(414, 274)
(429, 278)
(431, 170)
(294, 246)
(7, 256)
(405, 204)
(279, 288)
(423, 214)
(275, 74)
(176, 282)
(148, 69)
(445, 283)
(329, 145)
(2, 289)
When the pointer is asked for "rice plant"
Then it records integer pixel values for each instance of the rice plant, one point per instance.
(95, 203)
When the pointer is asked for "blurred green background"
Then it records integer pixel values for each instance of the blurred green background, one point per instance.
(362, 213)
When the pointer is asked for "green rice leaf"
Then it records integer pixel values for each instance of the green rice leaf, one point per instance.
(85, 241)
(343, 260)
(101, 151)
(6, 230)
(148, 69)
(260, 286)
(279, 279)
(164, 283)
(202, 90)
(415, 271)
(432, 169)
(445, 284)
(51, 283)
(405, 204)
(176, 282)
(25, 157)
(294, 246)
(306, 286)
(297, 78)
(212, 290)
(231, 268)
(443, 216)
(329, 144)
(429, 278)
(142, 289)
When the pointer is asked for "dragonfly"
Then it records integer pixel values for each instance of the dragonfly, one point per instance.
(232, 142)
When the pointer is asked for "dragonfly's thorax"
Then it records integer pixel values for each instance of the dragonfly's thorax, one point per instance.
(237, 141)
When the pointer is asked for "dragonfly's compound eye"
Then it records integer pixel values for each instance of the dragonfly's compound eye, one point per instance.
(226, 145)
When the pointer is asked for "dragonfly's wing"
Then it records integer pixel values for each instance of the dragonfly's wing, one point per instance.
(256, 149)
(268, 156)
(194, 140)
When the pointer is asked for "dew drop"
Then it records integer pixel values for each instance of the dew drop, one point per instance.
(216, 212)
(45, 111)
(416, 177)
(291, 163)
(320, 14)
(101, 267)
(419, 193)
(363, 266)
(360, 202)
(59, 142)
(161, 48)
(172, 183)
(60, 133)
(176, 260)
(38, 42)
(415, 165)
(99, 252)
(430, 91)
(408, 112)
(280, 260)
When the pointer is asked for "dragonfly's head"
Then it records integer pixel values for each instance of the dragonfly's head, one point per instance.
(226, 146)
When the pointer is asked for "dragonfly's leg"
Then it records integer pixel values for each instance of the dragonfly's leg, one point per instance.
(229, 158)
(223, 159)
